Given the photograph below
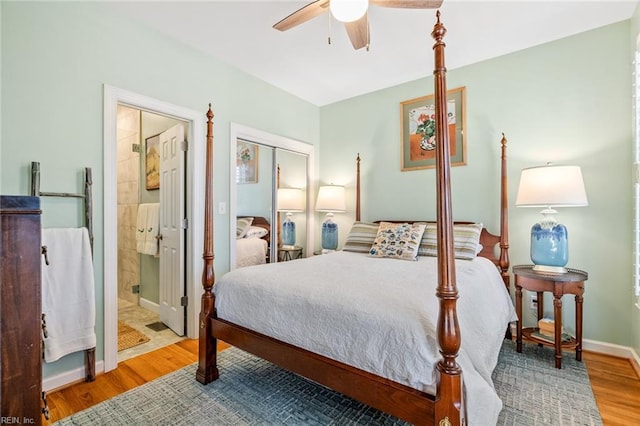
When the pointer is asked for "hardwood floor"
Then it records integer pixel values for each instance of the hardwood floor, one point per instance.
(615, 383)
(129, 374)
(616, 387)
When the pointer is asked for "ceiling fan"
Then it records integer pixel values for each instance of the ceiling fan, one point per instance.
(353, 13)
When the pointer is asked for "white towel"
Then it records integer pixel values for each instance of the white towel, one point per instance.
(141, 227)
(152, 230)
(68, 293)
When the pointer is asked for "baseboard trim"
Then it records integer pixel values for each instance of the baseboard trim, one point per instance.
(149, 305)
(67, 378)
(635, 362)
(613, 350)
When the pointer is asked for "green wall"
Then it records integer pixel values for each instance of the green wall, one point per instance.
(57, 56)
(566, 102)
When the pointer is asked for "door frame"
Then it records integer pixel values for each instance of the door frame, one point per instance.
(195, 190)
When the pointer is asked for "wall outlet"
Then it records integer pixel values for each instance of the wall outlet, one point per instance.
(533, 301)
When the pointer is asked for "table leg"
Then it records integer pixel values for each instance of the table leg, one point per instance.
(579, 327)
(540, 306)
(557, 317)
(519, 314)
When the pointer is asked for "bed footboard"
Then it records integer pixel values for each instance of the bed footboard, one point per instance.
(393, 398)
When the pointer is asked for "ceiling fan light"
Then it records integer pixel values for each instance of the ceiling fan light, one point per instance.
(348, 10)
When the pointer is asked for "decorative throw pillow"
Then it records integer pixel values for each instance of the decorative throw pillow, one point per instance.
(256, 232)
(361, 237)
(242, 226)
(397, 240)
(466, 239)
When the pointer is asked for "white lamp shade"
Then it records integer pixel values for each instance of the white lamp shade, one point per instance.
(290, 200)
(331, 199)
(551, 186)
(348, 10)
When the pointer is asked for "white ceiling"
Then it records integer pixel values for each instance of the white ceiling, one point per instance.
(300, 61)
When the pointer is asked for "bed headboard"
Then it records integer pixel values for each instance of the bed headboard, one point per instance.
(488, 240)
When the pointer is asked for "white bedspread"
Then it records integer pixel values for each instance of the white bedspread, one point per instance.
(250, 251)
(378, 315)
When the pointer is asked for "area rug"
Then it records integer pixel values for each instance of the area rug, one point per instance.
(129, 337)
(254, 392)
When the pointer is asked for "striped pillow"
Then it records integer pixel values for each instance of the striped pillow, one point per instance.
(361, 237)
(242, 226)
(466, 239)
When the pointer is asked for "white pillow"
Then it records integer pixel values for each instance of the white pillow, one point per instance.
(256, 232)
(242, 226)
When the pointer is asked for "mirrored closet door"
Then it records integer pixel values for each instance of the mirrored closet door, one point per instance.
(270, 192)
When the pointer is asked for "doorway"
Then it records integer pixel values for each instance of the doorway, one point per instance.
(193, 220)
(151, 255)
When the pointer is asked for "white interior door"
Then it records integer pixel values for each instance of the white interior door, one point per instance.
(172, 228)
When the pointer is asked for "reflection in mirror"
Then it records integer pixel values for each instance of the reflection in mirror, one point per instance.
(253, 208)
(254, 186)
(291, 205)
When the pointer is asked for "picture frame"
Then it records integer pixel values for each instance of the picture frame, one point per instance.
(152, 162)
(418, 130)
(246, 162)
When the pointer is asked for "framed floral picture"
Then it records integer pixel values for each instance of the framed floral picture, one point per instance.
(152, 163)
(246, 162)
(419, 129)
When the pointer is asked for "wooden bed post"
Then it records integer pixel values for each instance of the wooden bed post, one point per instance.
(504, 217)
(207, 355)
(449, 407)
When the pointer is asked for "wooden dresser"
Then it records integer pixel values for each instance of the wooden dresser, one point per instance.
(20, 310)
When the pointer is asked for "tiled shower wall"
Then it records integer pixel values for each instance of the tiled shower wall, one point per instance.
(128, 134)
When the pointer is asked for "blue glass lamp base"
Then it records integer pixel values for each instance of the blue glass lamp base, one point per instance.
(289, 233)
(549, 248)
(329, 235)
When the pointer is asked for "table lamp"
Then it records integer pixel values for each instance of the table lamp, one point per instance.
(290, 200)
(550, 186)
(331, 200)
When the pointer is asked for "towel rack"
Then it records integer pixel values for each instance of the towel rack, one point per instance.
(90, 354)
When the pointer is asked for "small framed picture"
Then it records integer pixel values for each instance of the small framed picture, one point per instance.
(417, 121)
(152, 162)
(246, 162)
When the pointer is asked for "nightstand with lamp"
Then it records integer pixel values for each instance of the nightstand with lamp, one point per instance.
(289, 200)
(331, 199)
(548, 187)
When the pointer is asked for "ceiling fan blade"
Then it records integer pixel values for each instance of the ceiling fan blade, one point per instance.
(358, 32)
(408, 4)
(303, 14)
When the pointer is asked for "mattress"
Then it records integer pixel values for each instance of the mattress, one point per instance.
(377, 314)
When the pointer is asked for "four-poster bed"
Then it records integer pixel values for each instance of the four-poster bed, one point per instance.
(437, 399)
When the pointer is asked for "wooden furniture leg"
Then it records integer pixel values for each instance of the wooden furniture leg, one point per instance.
(557, 317)
(90, 365)
(519, 314)
(579, 327)
(540, 306)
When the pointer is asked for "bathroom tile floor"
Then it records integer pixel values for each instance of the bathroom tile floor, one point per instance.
(138, 318)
